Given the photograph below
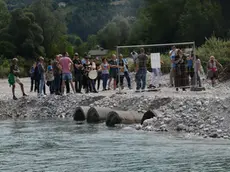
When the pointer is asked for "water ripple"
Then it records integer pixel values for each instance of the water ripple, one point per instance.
(67, 146)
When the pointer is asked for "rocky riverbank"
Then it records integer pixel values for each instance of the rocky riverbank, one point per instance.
(203, 113)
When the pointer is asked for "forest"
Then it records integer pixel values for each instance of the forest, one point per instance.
(32, 28)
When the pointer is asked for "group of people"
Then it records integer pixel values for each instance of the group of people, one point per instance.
(187, 69)
(63, 72)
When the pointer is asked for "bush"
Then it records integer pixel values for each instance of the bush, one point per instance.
(214, 47)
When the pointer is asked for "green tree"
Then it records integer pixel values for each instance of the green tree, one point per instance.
(92, 41)
(109, 36)
(22, 37)
(52, 23)
(200, 18)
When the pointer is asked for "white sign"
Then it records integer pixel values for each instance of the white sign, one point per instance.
(155, 60)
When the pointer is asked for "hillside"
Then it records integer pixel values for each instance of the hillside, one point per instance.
(84, 18)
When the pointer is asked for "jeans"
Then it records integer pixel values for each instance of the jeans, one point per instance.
(41, 86)
(156, 75)
(51, 86)
(57, 83)
(141, 79)
(172, 75)
(121, 80)
(32, 84)
(105, 78)
(99, 77)
(78, 82)
(128, 79)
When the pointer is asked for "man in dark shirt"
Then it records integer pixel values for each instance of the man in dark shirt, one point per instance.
(13, 76)
(78, 73)
(141, 70)
(113, 71)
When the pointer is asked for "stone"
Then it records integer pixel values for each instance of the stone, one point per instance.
(138, 127)
(213, 135)
(181, 127)
(198, 103)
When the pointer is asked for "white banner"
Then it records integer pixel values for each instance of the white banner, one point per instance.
(155, 60)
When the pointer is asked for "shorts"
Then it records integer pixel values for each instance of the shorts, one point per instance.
(67, 76)
(17, 80)
(113, 75)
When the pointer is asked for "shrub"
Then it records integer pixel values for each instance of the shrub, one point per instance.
(216, 47)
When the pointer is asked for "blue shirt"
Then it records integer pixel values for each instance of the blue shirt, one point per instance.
(190, 63)
(125, 66)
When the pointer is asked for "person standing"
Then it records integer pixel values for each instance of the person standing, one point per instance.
(66, 63)
(99, 73)
(32, 78)
(105, 73)
(113, 72)
(126, 73)
(141, 70)
(172, 55)
(57, 74)
(190, 68)
(78, 73)
(50, 78)
(181, 76)
(212, 69)
(14, 78)
(89, 85)
(198, 68)
(121, 71)
(41, 70)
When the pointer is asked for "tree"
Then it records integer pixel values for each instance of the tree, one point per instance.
(200, 20)
(109, 36)
(22, 37)
(4, 15)
(52, 23)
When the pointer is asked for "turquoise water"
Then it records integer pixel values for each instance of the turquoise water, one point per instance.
(58, 146)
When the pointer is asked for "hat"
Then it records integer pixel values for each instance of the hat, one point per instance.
(41, 58)
(76, 54)
(15, 60)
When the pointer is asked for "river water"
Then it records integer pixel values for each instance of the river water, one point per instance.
(58, 146)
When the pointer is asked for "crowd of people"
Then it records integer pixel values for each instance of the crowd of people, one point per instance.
(87, 73)
(186, 69)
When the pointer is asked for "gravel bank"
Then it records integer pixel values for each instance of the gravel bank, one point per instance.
(203, 113)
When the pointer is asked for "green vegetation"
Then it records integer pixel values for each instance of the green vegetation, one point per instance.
(32, 28)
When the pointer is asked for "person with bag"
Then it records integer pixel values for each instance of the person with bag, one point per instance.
(14, 78)
(213, 69)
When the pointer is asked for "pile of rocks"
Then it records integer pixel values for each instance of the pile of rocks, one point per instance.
(203, 117)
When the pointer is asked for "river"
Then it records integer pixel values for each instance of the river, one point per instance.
(63, 145)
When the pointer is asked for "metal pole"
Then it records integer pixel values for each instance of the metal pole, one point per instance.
(155, 45)
(195, 66)
(119, 80)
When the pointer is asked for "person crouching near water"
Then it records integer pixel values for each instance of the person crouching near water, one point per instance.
(212, 69)
(14, 78)
(50, 78)
(181, 76)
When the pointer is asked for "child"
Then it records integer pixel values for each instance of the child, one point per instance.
(50, 78)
